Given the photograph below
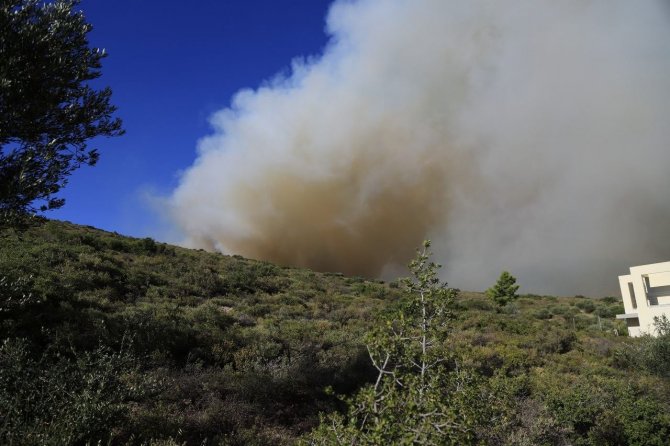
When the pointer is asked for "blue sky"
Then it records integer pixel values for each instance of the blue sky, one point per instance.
(170, 67)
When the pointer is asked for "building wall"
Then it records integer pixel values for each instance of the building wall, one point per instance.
(646, 291)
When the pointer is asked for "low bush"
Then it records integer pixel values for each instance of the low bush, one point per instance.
(543, 314)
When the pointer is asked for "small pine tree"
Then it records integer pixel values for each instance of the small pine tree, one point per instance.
(504, 291)
(421, 395)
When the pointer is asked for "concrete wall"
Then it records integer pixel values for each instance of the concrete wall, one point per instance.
(646, 293)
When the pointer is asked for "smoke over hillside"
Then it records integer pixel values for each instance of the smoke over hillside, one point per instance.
(532, 136)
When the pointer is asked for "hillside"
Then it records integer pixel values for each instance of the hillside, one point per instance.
(130, 341)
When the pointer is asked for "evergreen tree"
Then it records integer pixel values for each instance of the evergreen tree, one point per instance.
(504, 291)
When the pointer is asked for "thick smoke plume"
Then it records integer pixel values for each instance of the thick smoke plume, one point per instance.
(532, 136)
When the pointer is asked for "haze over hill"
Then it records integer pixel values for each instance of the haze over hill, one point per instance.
(523, 136)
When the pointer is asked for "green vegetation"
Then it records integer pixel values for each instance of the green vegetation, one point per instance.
(107, 337)
(651, 353)
(504, 291)
(510, 381)
(419, 396)
(129, 341)
(48, 110)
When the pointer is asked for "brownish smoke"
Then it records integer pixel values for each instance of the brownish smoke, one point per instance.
(518, 135)
(315, 222)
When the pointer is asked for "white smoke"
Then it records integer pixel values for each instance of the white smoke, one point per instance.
(530, 136)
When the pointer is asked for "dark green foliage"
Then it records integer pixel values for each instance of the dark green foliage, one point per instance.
(543, 313)
(557, 341)
(586, 305)
(610, 311)
(611, 300)
(477, 304)
(48, 110)
(504, 291)
(68, 397)
(16, 294)
(598, 410)
(651, 353)
(657, 349)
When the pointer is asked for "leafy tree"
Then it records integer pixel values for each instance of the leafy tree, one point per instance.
(48, 110)
(504, 291)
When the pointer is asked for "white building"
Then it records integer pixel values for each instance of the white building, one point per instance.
(646, 294)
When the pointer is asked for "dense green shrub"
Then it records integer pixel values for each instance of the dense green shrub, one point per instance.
(586, 305)
(603, 411)
(477, 304)
(557, 341)
(656, 350)
(66, 398)
(15, 294)
(543, 313)
(649, 352)
(609, 311)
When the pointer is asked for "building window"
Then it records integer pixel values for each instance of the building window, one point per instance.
(632, 322)
(631, 290)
